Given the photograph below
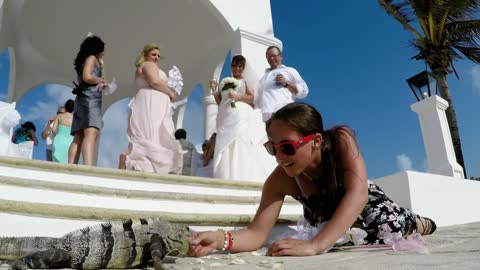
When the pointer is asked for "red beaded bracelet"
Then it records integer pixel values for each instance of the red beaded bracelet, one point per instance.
(230, 241)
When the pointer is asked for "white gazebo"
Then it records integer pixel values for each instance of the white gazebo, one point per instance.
(44, 36)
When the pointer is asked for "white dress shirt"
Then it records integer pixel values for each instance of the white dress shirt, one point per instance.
(271, 96)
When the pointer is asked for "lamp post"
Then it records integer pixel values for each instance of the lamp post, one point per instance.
(434, 125)
(423, 85)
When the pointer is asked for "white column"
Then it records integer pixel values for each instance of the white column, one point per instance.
(436, 137)
(179, 113)
(210, 109)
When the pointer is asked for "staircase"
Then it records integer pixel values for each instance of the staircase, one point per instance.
(50, 199)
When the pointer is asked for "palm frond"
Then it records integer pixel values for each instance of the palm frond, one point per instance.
(422, 8)
(472, 53)
(402, 12)
(464, 30)
(461, 9)
(400, 8)
(441, 34)
(434, 8)
(446, 37)
(455, 55)
(455, 71)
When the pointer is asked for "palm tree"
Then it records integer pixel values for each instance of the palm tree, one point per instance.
(449, 30)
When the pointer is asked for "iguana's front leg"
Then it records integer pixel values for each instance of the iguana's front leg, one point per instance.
(52, 258)
(158, 250)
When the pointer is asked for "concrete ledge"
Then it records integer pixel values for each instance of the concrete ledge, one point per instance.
(446, 200)
(123, 174)
(92, 213)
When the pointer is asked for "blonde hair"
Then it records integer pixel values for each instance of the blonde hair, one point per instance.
(146, 49)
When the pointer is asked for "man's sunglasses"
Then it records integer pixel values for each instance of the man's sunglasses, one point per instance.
(287, 148)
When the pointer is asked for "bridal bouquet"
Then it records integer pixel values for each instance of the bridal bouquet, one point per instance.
(175, 80)
(230, 84)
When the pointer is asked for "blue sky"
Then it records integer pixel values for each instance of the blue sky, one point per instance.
(354, 58)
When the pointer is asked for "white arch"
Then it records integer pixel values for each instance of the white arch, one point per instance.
(193, 35)
(187, 31)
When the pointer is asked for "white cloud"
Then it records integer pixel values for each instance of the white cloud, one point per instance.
(59, 93)
(56, 95)
(40, 111)
(404, 163)
(113, 138)
(475, 73)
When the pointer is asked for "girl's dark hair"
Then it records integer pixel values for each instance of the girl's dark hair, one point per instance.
(238, 60)
(306, 120)
(69, 105)
(29, 125)
(91, 45)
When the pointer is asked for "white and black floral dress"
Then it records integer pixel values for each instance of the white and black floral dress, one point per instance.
(380, 216)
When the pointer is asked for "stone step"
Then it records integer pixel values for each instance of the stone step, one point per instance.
(92, 213)
(82, 170)
(68, 186)
(67, 197)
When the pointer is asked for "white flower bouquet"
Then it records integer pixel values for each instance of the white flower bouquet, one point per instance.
(175, 80)
(230, 84)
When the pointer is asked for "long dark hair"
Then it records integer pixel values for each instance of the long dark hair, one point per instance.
(91, 45)
(306, 120)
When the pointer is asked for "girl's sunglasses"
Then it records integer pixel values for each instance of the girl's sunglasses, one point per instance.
(287, 148)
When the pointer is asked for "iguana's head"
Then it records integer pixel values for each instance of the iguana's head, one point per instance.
(179, 243)
(175, 236)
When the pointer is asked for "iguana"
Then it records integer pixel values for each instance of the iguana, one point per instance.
(111, 245)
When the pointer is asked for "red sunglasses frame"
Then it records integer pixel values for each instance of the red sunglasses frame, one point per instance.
(274, 148)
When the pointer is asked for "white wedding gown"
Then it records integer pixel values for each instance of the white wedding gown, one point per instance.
(239, 152)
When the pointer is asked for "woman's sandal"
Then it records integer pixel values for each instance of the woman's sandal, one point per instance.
(427, 226)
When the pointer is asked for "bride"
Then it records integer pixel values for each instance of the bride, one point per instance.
(239, 154)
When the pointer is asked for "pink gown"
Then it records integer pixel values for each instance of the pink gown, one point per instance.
(152, 145)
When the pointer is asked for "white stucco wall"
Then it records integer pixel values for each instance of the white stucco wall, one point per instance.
(251, 15)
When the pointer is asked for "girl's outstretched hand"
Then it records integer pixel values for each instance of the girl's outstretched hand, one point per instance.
(292, 247)
(203, 243)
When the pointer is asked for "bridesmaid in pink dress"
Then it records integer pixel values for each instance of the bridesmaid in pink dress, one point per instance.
(152, 145)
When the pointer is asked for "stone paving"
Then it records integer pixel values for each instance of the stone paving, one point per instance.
(454, 247)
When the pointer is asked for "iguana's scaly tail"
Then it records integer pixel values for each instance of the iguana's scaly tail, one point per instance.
(14, 248)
